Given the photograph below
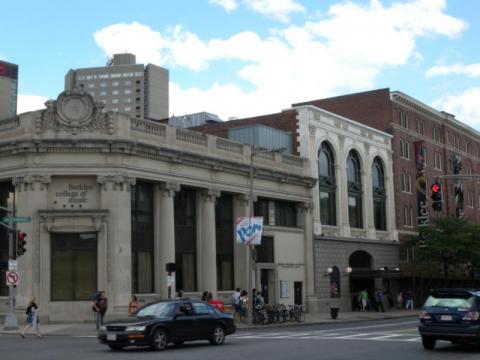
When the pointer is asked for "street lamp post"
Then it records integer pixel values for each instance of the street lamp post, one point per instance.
(252, 270)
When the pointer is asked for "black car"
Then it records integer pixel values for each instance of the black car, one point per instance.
(159, 323)
(450, 314)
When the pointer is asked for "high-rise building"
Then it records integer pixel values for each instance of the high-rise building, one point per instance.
(8, 89)
(124, 86)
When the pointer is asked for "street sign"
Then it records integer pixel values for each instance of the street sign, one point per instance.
(17, 219)
(12, 265)
(11, 278)
(171, 280)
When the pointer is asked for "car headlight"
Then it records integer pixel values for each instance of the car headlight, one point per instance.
(135, 328)
(103, 328)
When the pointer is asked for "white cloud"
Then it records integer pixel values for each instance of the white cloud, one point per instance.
(278, 9)
(27, 103)
(464, 105)
(344, 51)
(472, 70)
(227, 5)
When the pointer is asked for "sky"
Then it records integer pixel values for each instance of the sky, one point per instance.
(239, 58)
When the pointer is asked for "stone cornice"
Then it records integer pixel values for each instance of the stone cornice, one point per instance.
(171, 155)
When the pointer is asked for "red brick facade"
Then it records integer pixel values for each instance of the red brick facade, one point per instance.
(410, 121)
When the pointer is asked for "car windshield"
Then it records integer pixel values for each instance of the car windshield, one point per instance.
(450, 301)
(160, 309)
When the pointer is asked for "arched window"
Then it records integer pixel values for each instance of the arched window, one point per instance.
(379, 195)
(327, 185)
(354, 182)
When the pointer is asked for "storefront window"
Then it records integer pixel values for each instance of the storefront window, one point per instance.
(185, 240)
(142, 238)
(6, 193)
(224, 235)
(74, 266)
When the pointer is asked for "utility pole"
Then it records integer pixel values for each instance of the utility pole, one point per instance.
(11, 322)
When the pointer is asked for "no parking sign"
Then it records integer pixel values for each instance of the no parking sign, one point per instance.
(11, 278)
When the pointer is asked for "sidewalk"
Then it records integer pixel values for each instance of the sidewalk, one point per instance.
(88, 329)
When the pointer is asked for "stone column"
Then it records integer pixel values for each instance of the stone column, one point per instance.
(116, 197)
(342, 202)
(208, 243)
(367, 203)
(164, 245)
(31, 196)
(305, 220)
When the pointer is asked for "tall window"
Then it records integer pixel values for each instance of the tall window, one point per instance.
(379, 195)
(142, 238)
(185, 240)
(224, 234)
(285, 213)
(7, 193)
(74, 266)
(265, 251)
(354, 181)
(327, 185)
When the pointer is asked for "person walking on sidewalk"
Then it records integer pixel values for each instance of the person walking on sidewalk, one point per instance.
(379, 300)
(409, 300)
(133, 306)
(100, 307)
(32, 319)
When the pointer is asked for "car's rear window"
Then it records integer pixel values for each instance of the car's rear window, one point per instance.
(451, 301)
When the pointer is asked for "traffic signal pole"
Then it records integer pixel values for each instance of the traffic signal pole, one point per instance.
(11, 322)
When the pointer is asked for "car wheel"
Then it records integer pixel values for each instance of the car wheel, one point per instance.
(218, 336)
(178, 343)
(159, 340)
(428, 342)
(116, 347)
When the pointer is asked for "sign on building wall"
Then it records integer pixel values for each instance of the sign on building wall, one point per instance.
(421, 185)
(74, 193)
(249, 230)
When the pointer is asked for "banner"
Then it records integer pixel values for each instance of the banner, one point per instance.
(423, 217)
(249, 230)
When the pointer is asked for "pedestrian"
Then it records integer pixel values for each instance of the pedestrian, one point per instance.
(100, 307)
(133, 305)
(400, 300)
(379, 296)
(243, 305)
(205, 296)
(236, 301)
(409, 300)
(363, 295)
(32, 319)
(179, 294)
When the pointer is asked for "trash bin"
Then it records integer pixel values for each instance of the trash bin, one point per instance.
(334, 311)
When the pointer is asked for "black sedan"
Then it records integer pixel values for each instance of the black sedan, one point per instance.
(157, 324)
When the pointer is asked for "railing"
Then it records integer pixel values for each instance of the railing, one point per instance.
(192, 137)
(292, 160)
(230, 146)
(9, 124)
(148, 127)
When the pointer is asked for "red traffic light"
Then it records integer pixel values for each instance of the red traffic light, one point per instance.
(435, 188)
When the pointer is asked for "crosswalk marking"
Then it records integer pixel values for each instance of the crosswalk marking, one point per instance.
(331, 334)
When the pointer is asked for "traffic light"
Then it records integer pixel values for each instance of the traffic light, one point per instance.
(21, 243)
(436, 189)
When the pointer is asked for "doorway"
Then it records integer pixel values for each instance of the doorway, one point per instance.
(297, 292)
(267, 285)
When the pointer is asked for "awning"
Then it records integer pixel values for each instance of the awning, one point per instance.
(376, 274)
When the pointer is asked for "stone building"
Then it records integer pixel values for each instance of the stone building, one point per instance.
(114, 198)
(355, 236)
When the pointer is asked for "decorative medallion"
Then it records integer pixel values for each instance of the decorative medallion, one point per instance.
(75, 109)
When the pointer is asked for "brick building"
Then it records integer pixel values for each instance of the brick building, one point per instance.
(412, 122)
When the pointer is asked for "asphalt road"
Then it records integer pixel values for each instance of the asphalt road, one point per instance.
(393, 339)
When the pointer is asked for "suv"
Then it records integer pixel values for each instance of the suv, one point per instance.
(450, 314)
